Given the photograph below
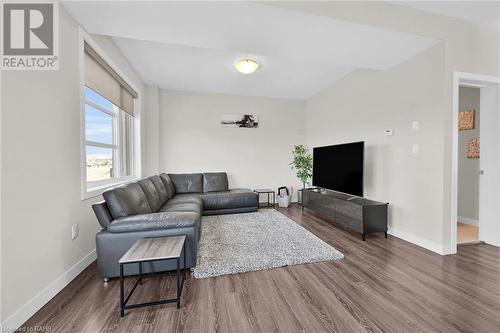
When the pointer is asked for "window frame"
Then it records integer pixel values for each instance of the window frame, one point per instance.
(95, 188)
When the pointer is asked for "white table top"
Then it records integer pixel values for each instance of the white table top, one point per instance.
(157, 248)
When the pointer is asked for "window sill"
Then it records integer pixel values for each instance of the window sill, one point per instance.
(95, 191)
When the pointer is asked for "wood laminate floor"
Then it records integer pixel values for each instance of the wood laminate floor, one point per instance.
(467, 233)
(380, 286)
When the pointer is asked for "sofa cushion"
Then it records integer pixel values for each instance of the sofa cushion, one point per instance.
(189, 197)
(154, 221)
(187, 182)
(215, 182)
(182, 207)
(160, 187)
(233, 198)
(168, 185)
(128, 199)
(152, 194)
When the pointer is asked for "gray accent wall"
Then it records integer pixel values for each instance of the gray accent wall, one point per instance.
(468, 169)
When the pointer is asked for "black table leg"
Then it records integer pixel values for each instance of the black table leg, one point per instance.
(178, 285)
(122, 295)
(140, 272)
(184, 276)
(274, 200)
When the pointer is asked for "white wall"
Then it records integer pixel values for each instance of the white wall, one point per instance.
(152, 132)
(489, 191)
(365, 103)
(193, 140)
(40, 142)
(468, 169)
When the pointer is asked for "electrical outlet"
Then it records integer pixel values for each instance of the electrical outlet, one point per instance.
(74, 231)
(389, 132)
(415, 126)
(414, 148)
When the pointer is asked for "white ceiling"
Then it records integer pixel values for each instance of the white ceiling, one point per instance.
(486, 12)
(192, 46)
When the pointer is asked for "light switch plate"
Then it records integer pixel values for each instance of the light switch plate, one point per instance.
(389, 132)
(414, 148)
(414, 126)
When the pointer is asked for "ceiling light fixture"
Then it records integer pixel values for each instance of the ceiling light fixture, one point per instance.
(246, 66)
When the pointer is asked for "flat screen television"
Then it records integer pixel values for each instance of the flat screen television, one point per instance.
(339, 167)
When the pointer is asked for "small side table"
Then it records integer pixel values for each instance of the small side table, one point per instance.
(268, 192)
(153, 249)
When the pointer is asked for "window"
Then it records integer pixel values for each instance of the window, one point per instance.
(109, 125)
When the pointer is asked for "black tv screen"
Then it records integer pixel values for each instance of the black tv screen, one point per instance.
(339, 167)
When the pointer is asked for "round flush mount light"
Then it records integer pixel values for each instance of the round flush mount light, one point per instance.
(246, 66)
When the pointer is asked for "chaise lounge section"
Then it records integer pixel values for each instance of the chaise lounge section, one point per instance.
(164, 205)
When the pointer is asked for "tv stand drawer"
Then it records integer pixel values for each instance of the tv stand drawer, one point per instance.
(360, 215)
(349, 222)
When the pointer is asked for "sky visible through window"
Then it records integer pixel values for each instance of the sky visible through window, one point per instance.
(98, 125)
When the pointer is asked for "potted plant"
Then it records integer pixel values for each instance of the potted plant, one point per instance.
(303, 163)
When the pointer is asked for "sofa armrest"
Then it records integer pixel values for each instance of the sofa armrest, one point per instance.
(154, 221)
(103, 214)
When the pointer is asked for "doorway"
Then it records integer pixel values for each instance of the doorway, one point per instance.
(475, 183)
(469, 122)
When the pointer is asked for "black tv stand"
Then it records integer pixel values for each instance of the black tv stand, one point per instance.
(353, 213)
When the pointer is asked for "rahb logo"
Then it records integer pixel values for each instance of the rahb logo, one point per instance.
(30, 35)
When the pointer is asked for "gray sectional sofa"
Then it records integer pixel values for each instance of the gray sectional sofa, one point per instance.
(164, 205)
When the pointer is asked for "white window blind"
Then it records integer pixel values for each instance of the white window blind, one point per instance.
(101, 78)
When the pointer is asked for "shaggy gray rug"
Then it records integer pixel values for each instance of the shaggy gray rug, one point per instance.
(256, 241)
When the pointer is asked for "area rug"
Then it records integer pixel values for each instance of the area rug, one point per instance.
(249, 242)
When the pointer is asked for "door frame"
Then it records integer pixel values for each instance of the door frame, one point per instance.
(469, 79)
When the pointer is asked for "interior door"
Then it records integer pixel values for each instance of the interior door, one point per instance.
(489, 180)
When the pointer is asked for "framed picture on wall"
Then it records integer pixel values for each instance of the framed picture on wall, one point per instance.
(466, 120)
(473, 148)
(240, 120)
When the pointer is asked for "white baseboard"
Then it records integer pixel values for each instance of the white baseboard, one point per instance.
(425, 243)
(467, 220)
(26, 311)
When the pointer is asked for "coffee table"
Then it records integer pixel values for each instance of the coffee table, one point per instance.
(268, 192)
(148, 250)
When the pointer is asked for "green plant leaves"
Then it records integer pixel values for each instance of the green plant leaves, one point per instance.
(302, 162)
